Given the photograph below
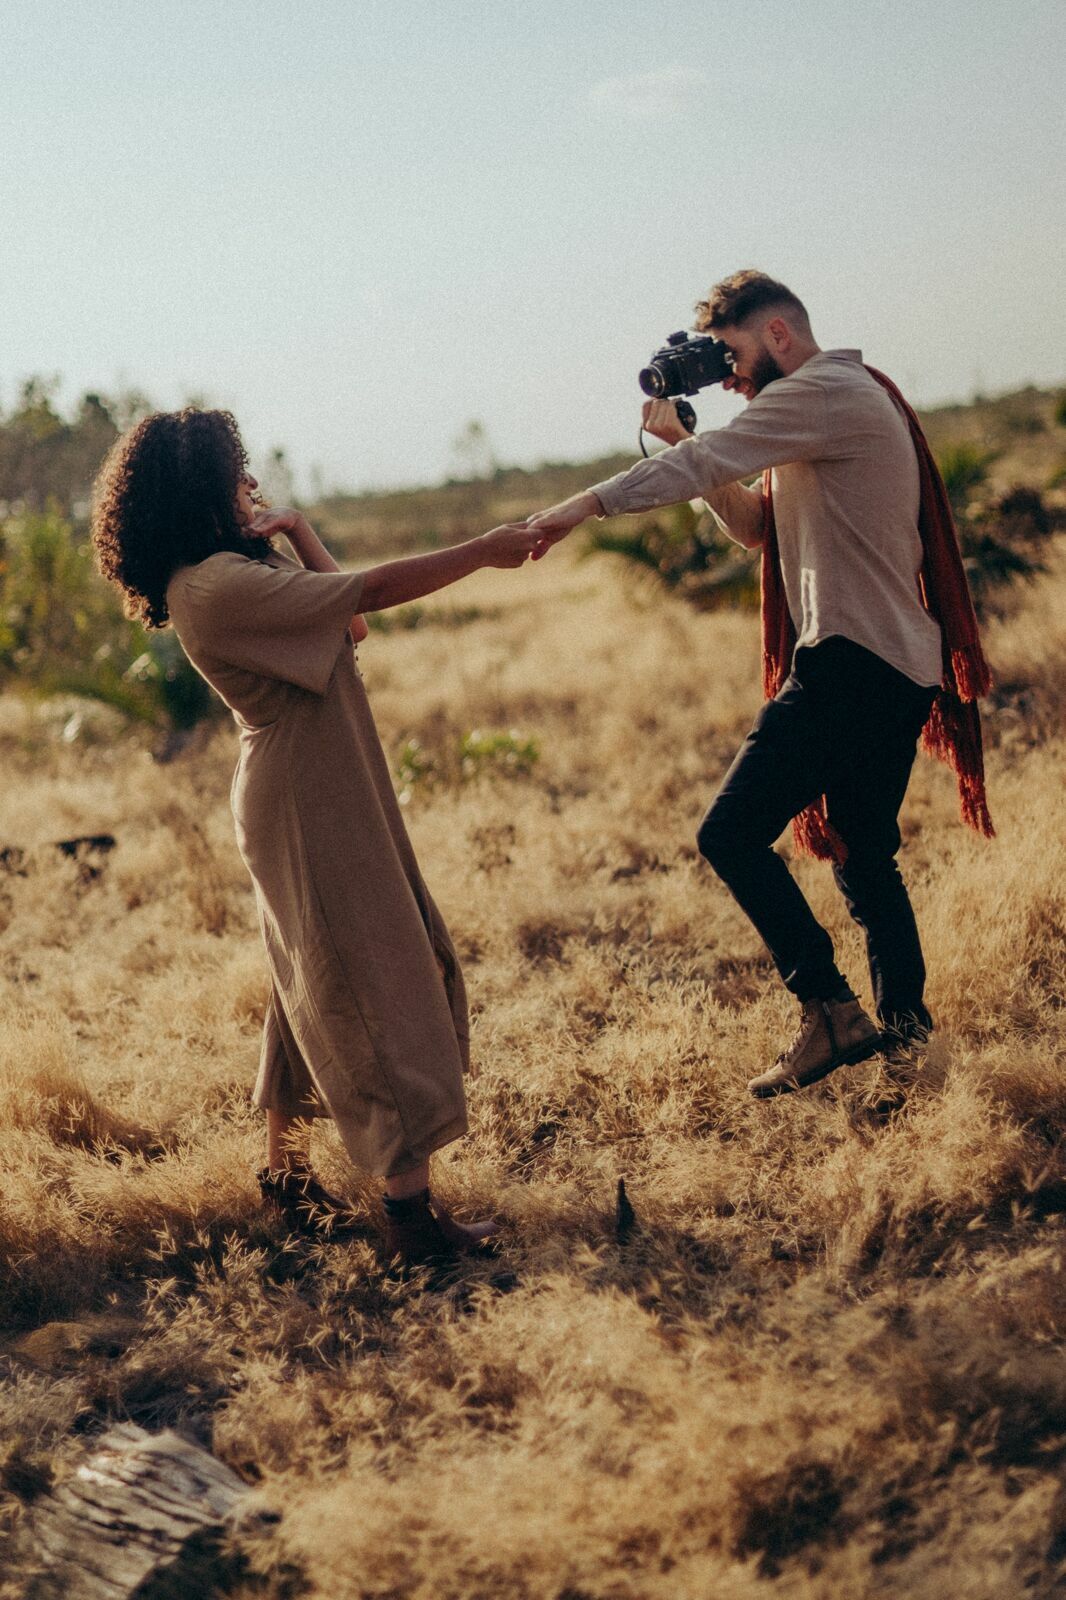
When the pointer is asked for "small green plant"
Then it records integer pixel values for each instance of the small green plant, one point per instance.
(414, 767)
(478, 753)
(1060, 410)
(174, 686)
(482, 751)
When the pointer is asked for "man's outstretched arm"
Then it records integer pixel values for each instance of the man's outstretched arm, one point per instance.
(786, 422)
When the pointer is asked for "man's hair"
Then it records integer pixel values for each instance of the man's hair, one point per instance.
(737, 298)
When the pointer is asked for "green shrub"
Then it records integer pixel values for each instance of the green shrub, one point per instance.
(174, 687)
(686, 552)
(964, 468)
(1002, 543)
(1060, 410)
(63, 631)
(414, 767)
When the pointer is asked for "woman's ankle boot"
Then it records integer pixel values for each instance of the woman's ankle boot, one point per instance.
(419, 1229)
(301, 1201)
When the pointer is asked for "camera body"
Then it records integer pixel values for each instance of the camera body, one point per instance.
(685, 365)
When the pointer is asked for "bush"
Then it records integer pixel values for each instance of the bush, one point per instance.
(46, 459)
(1001, 543)
(63, 631)
(684, 550)
(964, 468)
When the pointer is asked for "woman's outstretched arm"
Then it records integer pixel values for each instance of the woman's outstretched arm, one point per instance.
(397, 582)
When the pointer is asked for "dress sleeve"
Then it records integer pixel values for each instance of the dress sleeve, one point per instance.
(277, 621)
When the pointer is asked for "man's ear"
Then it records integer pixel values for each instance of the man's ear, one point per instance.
(778, 333)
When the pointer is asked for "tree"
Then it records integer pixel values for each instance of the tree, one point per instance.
(473, 452)
(276, 480)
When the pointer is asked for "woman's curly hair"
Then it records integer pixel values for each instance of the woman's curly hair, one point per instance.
(166, 497)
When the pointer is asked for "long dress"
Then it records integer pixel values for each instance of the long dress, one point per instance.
(359, 1026)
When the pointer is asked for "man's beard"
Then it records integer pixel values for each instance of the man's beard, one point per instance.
(764, 370)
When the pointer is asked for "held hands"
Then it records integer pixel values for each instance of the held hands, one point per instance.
(554, 524)
(509, 545)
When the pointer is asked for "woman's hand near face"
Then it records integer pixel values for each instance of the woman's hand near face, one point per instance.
(276, 519)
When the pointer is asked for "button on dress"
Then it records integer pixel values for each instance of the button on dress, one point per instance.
(359, 1025)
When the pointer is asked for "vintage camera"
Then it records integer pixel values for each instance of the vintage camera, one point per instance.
(685, 365)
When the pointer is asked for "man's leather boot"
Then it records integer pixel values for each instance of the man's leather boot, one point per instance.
(832, 1033)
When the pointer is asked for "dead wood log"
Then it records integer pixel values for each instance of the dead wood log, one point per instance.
(145, 1514)
(15, 860)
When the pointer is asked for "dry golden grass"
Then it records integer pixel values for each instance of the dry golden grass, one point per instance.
(828, 1361)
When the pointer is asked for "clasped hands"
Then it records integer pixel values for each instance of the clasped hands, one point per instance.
(658, 417)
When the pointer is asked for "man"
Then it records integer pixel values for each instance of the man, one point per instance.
(852, 544)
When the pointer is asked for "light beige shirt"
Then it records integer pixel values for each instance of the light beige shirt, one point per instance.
(845, 488)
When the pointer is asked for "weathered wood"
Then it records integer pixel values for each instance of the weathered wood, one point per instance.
(144, 1513)
(14, 859)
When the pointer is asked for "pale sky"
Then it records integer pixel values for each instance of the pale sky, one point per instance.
(361, 225)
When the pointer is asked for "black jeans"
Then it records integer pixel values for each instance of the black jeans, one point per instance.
(845, 725)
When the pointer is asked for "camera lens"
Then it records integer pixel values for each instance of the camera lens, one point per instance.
(653, 382)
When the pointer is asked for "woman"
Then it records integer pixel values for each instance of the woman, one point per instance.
(360, 1025)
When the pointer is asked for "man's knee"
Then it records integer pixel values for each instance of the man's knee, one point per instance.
(868, 876)
(720, 841)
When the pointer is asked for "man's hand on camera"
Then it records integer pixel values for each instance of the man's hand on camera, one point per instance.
(555, 523)
(661, 419)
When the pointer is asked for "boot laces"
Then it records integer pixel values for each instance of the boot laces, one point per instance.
(812, 1012)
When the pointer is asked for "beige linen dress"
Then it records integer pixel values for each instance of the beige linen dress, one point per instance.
(359, 1026)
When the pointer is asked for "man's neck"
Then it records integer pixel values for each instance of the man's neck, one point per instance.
(799, 354)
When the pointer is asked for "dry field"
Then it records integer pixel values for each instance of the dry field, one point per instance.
(826, 1363)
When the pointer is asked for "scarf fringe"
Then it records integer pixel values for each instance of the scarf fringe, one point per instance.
(953, 735)
(970, 673)
(814, 835)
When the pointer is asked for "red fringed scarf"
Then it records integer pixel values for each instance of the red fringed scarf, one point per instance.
(953, 731)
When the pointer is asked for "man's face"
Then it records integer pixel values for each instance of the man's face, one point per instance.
(754, 364)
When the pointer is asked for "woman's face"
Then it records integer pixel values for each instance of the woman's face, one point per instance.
(246, 506)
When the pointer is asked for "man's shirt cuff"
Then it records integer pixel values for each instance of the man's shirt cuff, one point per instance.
(611, 495)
